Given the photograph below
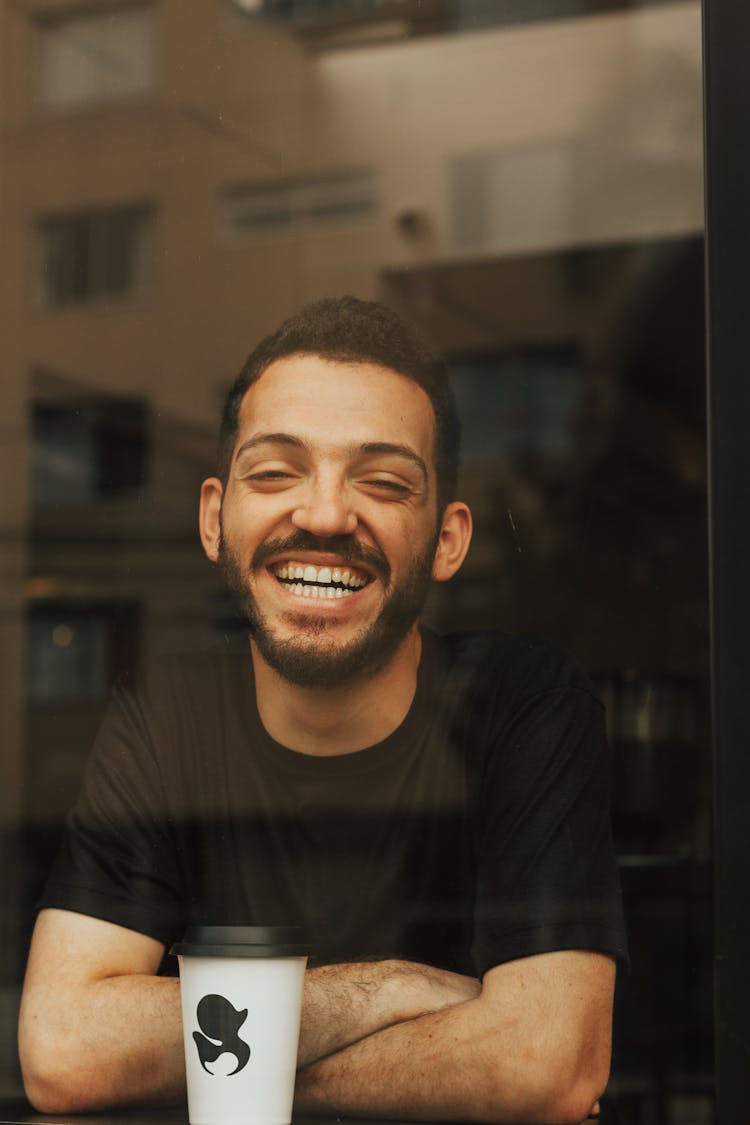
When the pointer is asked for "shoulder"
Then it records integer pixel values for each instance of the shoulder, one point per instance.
(157, 729)
(175, 703)
(528, 723)
(517, 702)
(516, 667)
(187, 679)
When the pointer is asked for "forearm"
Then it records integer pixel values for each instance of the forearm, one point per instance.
(449, 1066)
(344, 1004)
(117, 1041)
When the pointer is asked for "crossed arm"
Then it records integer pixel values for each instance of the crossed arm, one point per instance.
(390, 1038)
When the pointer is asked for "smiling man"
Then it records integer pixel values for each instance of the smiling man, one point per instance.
(433, 811)
(340, 526)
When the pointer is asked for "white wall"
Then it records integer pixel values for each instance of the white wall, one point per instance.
(592, 127)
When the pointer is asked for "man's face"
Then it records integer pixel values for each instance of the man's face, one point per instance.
(329, 521)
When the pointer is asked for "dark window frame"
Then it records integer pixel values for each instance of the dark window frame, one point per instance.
(91, 255)
(117, 448)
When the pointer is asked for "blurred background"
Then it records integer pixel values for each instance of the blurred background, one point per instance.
(520, 178)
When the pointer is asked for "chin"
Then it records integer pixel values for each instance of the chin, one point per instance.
(328, 665)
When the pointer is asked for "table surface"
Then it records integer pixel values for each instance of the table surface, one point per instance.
(17, 1111)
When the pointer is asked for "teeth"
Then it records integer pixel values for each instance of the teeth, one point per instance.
(325, 593)
(322, 577)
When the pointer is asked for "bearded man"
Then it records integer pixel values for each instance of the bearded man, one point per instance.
(432, 810)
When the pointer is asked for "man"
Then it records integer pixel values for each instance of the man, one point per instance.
(433, 811)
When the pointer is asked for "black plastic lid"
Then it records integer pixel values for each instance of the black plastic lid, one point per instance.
(242, 941)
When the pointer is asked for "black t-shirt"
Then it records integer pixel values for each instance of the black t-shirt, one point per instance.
(477, 832)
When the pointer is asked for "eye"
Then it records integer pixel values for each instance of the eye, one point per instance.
(388, 486)
(267, 480)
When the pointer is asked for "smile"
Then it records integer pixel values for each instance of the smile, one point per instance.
(318, 582)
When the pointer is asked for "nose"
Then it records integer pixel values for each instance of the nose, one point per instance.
(326, 508)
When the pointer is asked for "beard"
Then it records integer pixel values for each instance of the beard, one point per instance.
(310, 658)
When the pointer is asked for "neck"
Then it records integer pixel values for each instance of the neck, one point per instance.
(326, 723)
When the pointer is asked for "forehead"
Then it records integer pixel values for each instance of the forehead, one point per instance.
(328, 401)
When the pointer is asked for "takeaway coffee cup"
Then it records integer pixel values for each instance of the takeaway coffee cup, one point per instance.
(241, 989)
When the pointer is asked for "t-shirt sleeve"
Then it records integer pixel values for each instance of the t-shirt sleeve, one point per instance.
(547, 877)
(117, 861)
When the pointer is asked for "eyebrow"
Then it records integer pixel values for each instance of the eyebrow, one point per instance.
(370, 448)
(269, 439)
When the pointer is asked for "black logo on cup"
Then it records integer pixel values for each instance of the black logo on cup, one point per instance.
(220, 1023)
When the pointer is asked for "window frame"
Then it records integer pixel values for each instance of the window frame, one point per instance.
(98, 230)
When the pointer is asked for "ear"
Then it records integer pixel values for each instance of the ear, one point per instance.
(453, 543)
(209, 518)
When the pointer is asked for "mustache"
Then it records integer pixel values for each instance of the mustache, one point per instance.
(345, 546)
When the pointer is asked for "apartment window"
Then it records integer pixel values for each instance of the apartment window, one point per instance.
(524, 404)
(93, 56)
(95, 255)
(287, 205)
(74, 649)
(88, 450)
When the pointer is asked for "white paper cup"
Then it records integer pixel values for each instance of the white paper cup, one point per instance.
(241, 989)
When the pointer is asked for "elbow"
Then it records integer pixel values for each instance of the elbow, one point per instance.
(572, 1093)
(582, 1082)
(547, 1093)
(51, 1091)
(48, 1096)
(572, 1097)
(52, 1082)
(578, 1076)
(574, 1103)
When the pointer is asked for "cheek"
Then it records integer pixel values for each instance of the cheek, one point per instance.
(248, 519)
(408, 537)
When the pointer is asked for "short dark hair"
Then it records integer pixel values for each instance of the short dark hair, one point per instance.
(349, 330)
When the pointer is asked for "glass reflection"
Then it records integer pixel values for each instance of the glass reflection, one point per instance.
(521, 180)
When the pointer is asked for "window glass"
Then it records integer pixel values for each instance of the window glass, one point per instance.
(93, 57)
(67, 655)
(271, 207)
(88, 450)
(525, 404)
(426, 18)
(522, 181)
(92, 255)
(507, 198)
